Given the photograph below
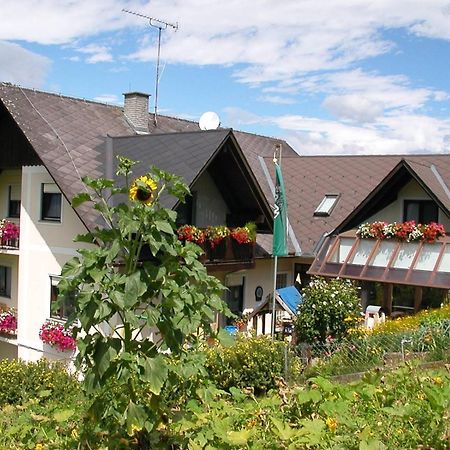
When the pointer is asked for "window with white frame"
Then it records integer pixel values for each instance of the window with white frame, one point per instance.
(5, 281)
(14, 201)
(326, 205)
(66, 307)
(51, 200)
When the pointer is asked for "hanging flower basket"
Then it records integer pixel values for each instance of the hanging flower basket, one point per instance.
(57, 336)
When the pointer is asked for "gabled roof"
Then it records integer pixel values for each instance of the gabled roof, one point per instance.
(309, 178)
(190, 154)
(423, 171)
(69, 134)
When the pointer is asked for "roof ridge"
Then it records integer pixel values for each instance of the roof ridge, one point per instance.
(174, 133)
(58, 94)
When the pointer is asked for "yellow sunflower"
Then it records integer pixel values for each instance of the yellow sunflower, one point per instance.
(143, 189)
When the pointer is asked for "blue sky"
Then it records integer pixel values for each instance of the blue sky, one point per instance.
(329, 76)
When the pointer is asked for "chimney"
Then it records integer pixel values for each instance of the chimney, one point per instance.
(136, 110)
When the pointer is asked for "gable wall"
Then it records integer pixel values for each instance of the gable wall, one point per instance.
(211, 208)
(394, 211)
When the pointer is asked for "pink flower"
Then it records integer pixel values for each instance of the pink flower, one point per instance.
(56, 335)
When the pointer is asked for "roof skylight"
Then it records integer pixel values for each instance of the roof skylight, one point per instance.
(326, 205)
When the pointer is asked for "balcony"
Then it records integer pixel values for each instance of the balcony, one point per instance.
(224, 249)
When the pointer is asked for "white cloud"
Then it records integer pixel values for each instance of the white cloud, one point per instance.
(21, 66)
(277, 99)
(354, 107)
(97, 53)
(108, 98)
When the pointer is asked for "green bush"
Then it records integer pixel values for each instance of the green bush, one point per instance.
(406, 409)
(21, 381)
(328, 310)
(252, 362)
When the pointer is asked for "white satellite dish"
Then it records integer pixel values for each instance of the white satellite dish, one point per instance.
(209, 121)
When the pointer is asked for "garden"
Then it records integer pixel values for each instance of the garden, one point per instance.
(186, 385)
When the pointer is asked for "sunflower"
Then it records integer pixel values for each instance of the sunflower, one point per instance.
(143, 189)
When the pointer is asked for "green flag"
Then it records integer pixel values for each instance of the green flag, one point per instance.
(279, 216)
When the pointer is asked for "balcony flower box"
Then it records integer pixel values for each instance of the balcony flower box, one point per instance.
(8, 322)
(9, 234)
(406, 231)
(54, 334)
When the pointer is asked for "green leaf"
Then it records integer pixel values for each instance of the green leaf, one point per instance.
(64, 415)
(81, 198)
(238, 437)
(154, 372)
(283, 430)
(134, 289)
(225, 338)
(165, 227)
(373, 444)
(135, 418)
(103, 355)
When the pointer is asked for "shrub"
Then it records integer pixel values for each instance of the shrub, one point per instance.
(20, 381)
(328, 310)
(252, 362)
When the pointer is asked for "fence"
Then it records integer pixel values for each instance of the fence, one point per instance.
(375, 349)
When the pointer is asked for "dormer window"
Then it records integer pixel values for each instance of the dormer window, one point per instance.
(327, 205)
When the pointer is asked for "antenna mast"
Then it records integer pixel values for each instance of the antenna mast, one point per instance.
(160, 25)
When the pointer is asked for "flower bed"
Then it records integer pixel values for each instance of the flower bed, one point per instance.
(406, 231)
(8, 322)
(56, 335)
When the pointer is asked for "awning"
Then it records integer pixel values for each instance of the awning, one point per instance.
(286, 299)
(387, 261)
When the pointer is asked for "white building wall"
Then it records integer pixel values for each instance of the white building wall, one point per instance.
(394, 211)
(44, 248)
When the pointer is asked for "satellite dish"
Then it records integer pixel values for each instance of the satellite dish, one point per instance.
(209, 121)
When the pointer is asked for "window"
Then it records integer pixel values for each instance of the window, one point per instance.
(66, 308)
(14, 201)
(5, 281)
(51, 203)
(235, 301)
(326, 205)
(186, 210)
(282, 280)
(422, 211)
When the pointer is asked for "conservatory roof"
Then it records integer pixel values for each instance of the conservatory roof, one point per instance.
(388, 261)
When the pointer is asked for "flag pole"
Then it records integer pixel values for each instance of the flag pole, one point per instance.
(275, 263)
(275, 253)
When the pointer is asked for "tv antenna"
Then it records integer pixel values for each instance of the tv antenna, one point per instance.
(160, 25)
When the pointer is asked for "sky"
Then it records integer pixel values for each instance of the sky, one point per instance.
(328, 76)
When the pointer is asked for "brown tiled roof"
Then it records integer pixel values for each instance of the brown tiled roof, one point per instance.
(69, 136)
(309, 178)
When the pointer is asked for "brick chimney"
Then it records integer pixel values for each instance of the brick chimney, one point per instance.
(136, 110)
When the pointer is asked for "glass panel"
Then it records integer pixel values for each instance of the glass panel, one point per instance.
(411, 211)
(429, 212)
(51, 206)
(326, 204)
(344, 248)
(383, 254)
(428, 257)
(444, 266)
(405, 256)
(362, 253)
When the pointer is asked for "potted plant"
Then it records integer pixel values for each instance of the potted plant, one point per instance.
(8, 322)
(243, 240)
(57, 336)
(191, 233)
(216, 236)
